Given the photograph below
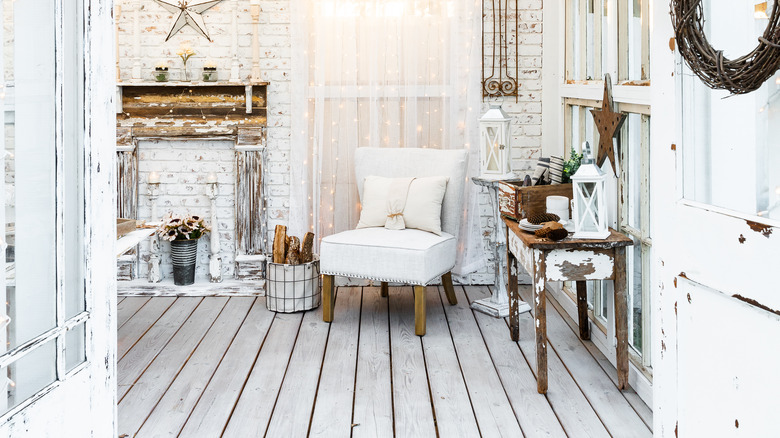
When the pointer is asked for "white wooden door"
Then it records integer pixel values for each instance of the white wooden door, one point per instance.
(57, 356)
(717, 241)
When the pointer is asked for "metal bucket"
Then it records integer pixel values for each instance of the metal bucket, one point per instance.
(184, 254)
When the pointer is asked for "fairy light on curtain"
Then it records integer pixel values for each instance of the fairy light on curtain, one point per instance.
(403, 73)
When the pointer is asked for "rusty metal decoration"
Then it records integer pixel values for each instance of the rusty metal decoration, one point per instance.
(499, 75)
(608, 122)
(188, 12)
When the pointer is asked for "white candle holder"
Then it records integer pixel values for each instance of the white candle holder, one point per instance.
(215, 260)
(155, 272)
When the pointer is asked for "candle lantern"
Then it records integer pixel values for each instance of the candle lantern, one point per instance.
(589, 211)
(494, 152)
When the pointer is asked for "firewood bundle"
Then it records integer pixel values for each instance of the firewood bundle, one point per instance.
(289, 250)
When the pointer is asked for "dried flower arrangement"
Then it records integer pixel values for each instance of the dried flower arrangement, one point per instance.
(176, 227)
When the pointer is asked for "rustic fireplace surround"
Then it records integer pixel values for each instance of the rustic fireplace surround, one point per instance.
(181, 112)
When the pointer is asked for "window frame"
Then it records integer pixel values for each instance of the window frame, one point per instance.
(70, 28)
(562, 89)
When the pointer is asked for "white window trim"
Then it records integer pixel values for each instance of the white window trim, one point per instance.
(62, 324)
(635, 97)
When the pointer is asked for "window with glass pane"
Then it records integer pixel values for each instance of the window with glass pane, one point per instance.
(635, 222)
(731, 147)
(598, 43)
(42, 199)
(628, 212)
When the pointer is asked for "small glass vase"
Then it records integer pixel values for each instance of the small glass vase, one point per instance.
(160, 75)
(185, 75)
(209, 74)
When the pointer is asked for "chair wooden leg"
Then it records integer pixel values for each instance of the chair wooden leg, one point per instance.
(384, 289)
(419, 310)
(328, 298)
(449, 290)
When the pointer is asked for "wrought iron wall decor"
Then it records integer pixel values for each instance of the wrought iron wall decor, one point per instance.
(500, 70)
(739, 76)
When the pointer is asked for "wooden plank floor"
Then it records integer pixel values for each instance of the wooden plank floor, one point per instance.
(217, 366)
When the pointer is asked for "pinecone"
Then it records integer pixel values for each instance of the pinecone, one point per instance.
(552, 231)
(539, 218)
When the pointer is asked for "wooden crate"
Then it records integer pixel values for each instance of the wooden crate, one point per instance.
(518, 202)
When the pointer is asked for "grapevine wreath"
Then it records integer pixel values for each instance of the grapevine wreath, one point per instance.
(738, 76)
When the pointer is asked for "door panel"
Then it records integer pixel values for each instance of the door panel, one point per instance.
(728, 359)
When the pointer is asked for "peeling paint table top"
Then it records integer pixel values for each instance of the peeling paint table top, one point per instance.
(569, 259)
(614, 240)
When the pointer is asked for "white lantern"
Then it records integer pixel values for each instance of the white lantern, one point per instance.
(494, 152)
(589, 211)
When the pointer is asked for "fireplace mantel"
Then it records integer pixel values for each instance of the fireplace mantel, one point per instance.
(200, 111)
(218, 110)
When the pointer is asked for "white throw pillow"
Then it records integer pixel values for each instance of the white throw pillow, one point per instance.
(423, 203)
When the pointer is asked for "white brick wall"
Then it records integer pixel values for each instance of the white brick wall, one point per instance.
(274, 42)
(183, 167)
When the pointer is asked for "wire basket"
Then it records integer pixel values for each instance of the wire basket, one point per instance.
(293, 288)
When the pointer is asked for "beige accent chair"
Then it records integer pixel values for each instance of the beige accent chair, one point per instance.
(401, 256)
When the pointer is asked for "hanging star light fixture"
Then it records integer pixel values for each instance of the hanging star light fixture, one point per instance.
(188, 12)
(608, 122)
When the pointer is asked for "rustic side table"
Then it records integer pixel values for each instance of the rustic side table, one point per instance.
(567, 260)
(497, 305)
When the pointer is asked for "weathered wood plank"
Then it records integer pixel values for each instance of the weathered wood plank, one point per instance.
(173, 409)
(540, 316)
(213, 410)
(492, 409)
(604, 397)
(373, 411)
(254, 407)
(621, 318)
(533, 410)
(582, 310)
(454, 413)
(133, 364)
(411, 398)
(139, 401)
(332, 416)
(633, 398)
(567, 400)
(250, 215)
(292, 413)
(136, 326)
(128, 307)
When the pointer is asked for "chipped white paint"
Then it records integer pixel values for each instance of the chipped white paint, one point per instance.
(594, 265)
(215, 261)
(82, 402)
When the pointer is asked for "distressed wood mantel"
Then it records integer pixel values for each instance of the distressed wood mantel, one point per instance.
(203, 111)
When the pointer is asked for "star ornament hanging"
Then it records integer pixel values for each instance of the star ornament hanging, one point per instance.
(608, 122)
(188, 12)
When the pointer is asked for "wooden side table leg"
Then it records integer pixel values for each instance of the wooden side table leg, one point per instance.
(540, 321)
(621, 317)
(582, 309)
(514, 296)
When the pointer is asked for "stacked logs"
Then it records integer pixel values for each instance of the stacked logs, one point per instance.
(288, 249)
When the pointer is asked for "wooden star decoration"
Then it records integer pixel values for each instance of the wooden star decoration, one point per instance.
(608, 122)
(188, 12)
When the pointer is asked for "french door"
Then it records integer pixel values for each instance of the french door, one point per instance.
(56, 340)
(717, 237)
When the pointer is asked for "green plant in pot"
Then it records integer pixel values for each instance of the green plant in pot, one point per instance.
(183, 232)
(570, 166)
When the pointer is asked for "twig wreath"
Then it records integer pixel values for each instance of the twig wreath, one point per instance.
(738, 76)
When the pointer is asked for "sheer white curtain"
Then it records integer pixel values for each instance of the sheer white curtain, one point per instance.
(381, 73)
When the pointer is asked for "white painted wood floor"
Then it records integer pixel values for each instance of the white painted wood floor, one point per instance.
(209, 367)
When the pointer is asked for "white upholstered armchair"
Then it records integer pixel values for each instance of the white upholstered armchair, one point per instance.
(408, 256)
